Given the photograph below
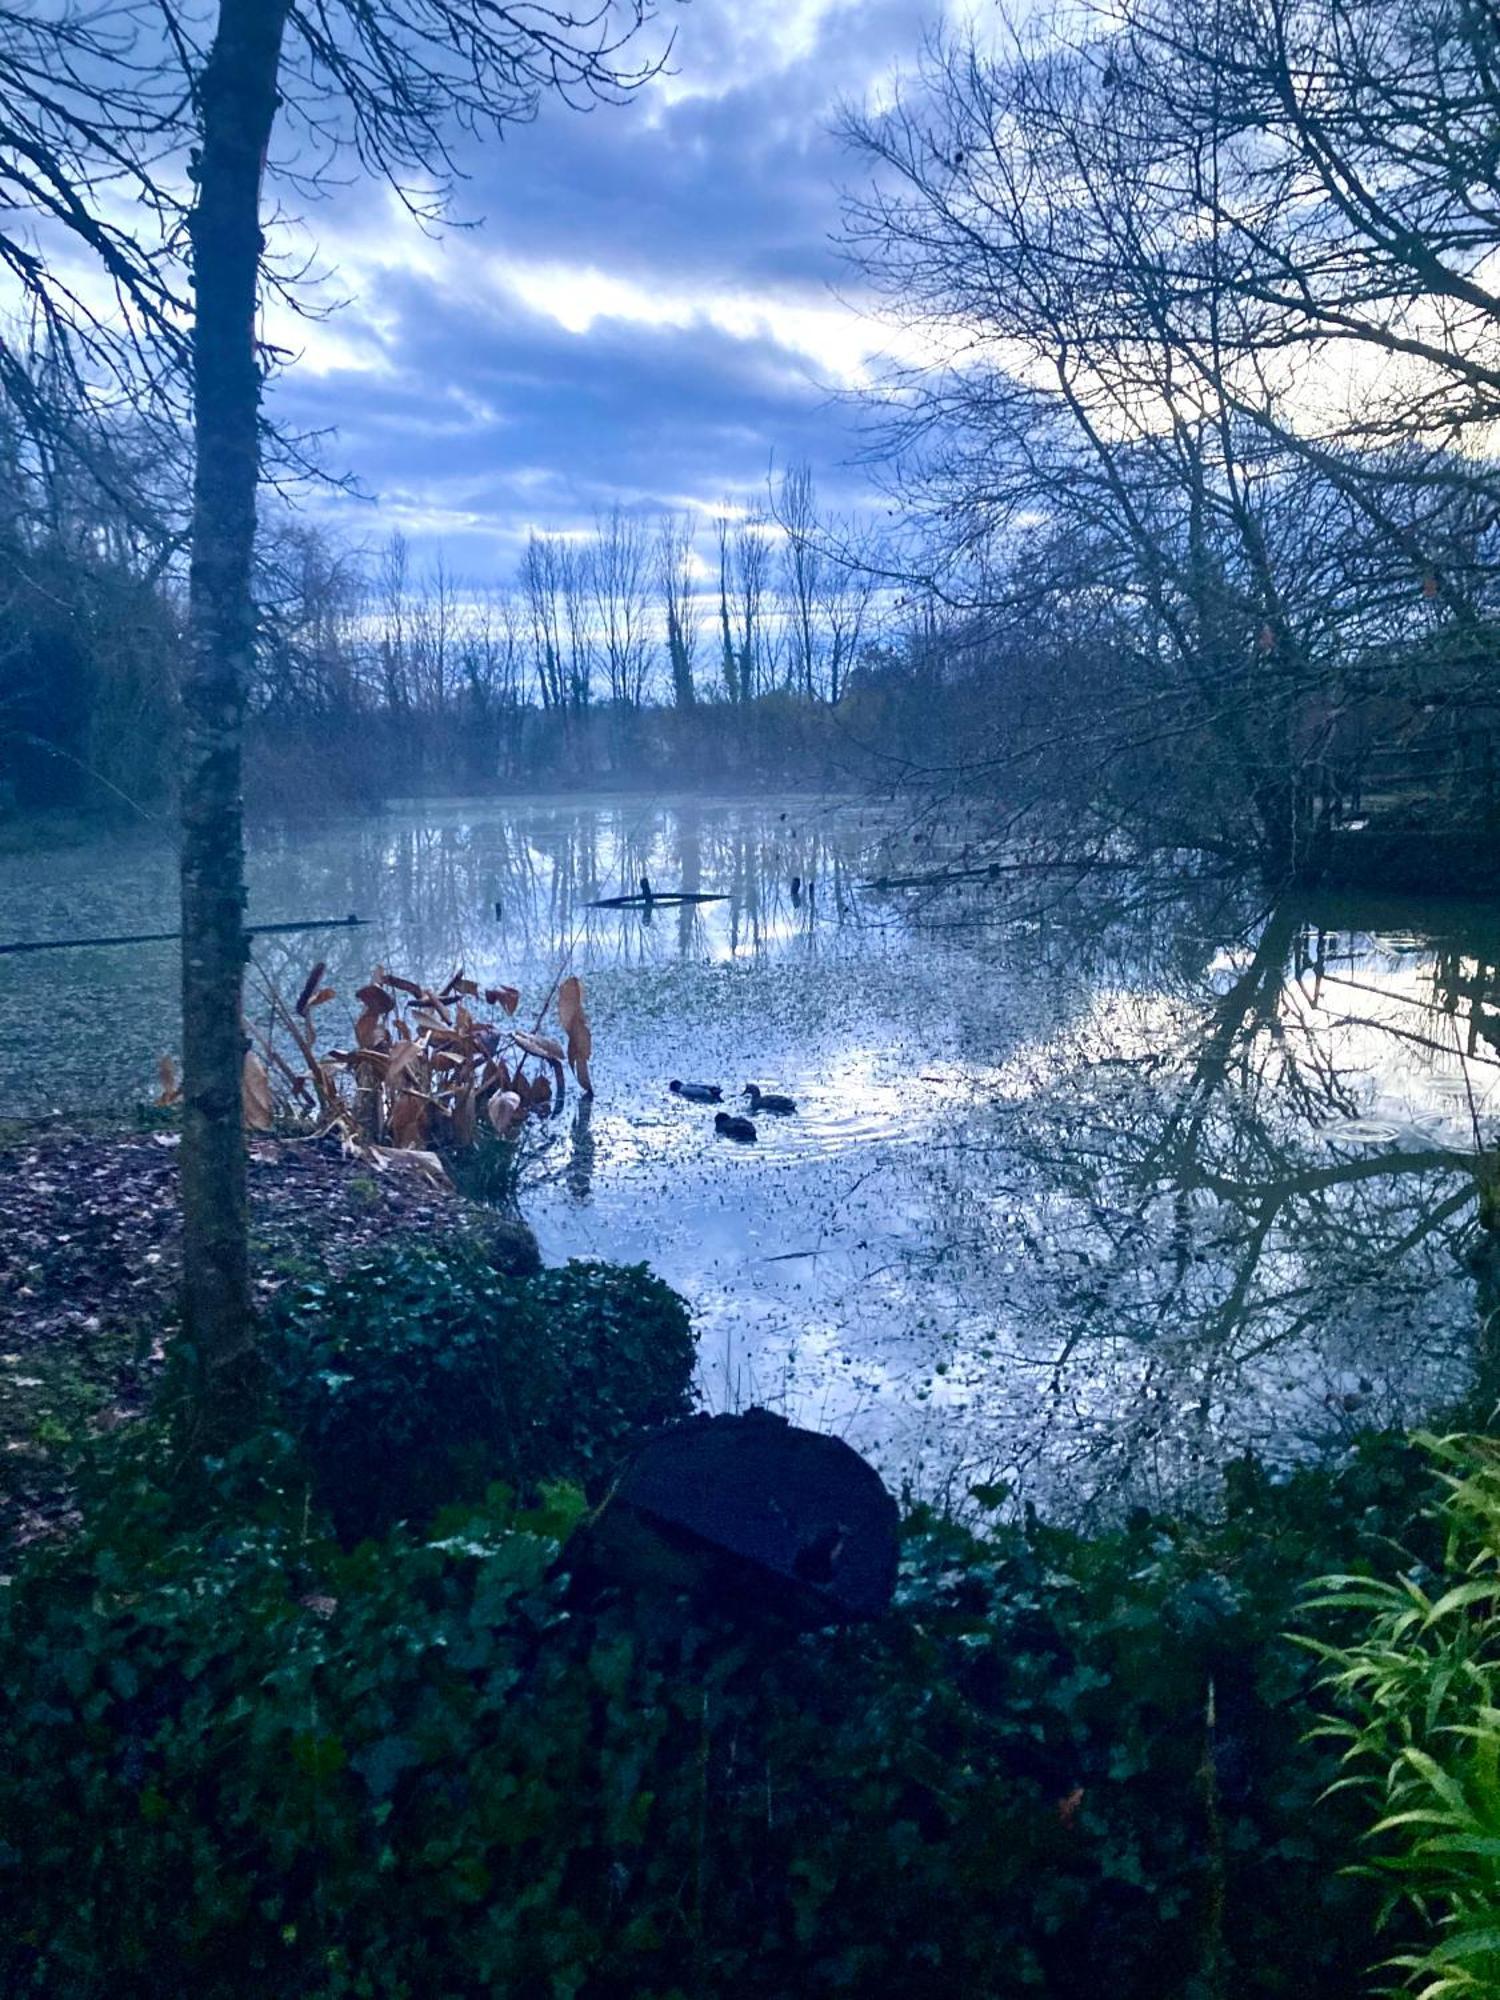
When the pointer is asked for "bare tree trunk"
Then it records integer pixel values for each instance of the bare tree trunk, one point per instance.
(237, 101)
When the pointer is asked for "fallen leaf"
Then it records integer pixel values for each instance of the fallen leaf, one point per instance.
(428, 1165)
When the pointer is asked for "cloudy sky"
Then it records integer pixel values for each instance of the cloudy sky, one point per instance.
(650, 309)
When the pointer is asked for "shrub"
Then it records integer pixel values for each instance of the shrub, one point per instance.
(1419, 1719)
(420, 1375)
(245, 1761)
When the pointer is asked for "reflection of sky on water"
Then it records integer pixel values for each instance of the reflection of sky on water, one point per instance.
(1079, 1199)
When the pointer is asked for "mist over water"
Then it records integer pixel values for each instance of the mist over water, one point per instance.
(1086, 1191)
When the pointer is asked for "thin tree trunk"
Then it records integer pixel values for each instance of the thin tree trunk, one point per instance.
(237, 105)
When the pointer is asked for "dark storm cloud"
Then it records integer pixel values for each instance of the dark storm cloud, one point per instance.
(732, 180)
(478, 387)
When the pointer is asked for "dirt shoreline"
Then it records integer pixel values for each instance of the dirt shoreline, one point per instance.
(90, 1247)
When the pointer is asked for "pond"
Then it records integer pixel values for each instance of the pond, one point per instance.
(1090, 1185)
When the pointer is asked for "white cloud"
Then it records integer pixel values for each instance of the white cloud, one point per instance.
(840, 342)
(724, 47)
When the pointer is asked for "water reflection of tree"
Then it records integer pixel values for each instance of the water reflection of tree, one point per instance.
(1182, 1227)
(1210, 1243)
(432, 883)
(579, 1172)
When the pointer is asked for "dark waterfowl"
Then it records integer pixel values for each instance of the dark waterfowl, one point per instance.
(730, 1127)
(759, 1101)
(697, 1093)
(1349, 1400)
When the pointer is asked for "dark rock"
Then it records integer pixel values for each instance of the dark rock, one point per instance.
(759, 1512)
(512, 1248)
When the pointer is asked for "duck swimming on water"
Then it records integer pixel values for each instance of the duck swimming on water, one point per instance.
(760, 1101)
(697, 1093)
(729, 1127)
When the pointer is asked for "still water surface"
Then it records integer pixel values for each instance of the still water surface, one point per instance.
(1087, 1190)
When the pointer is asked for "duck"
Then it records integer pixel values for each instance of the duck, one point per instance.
(697, 1093)
(730, 1127)
(759, 1101)
(1349, 1401)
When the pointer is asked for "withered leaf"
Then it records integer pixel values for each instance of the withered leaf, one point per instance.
(504, 1110)
(367, 1030)
(255, 1095)
(508, 997)
(576, 1026)
(408, 1119)
(403, 1061)
(385, 978)
(465, 1117)
(446, 1038)
(310, 987)
(538, 1045)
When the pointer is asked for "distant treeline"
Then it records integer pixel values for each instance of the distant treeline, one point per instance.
(776, 645)
(753, 646)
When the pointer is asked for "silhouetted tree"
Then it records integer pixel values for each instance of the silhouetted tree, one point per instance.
(675, 577)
